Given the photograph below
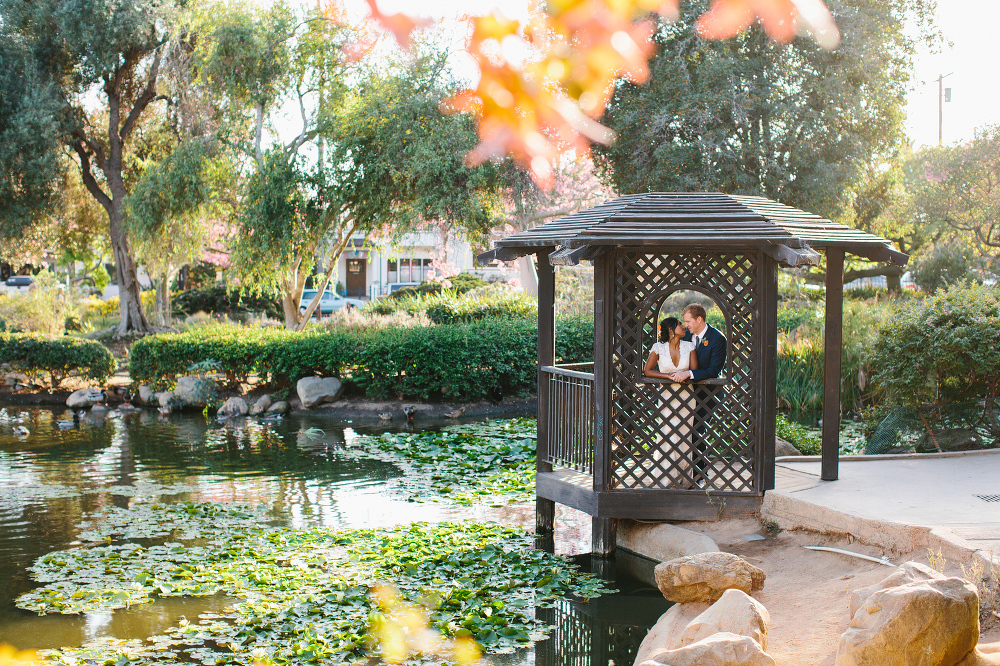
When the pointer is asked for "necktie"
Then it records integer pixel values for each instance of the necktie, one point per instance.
(697, 339)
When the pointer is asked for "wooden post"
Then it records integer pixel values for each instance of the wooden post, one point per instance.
(769, 344)
(604, 536)
(604, 529)
(833, 334)
(544, 509)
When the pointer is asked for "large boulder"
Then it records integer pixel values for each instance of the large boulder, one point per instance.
(87, 397)
(317, 390)
(662, 541)
(957, 439)
(195, 391)
(930, 622)
(280, 407)
(706, 576)
(783, 447)
(259, 407)
(146, 395)
(721, 649)
(908, 572)
(234, 407)
(736, 612)
(665, 634)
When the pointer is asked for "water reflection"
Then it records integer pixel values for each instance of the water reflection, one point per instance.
(309, 471)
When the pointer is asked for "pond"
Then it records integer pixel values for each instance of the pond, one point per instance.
(302, 472)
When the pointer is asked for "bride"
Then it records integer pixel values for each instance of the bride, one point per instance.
(670, 355)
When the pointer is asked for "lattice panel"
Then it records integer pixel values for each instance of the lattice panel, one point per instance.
(682, 436)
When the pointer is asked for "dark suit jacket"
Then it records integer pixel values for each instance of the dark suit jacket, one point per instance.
(711, 357)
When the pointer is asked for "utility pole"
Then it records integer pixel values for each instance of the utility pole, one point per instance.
(944, 95)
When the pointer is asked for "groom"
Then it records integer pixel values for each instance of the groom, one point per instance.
(710, 349)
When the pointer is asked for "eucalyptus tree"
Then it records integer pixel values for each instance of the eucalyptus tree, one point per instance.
(796, 123)
(258, 63)
(77, 78)
(373, 150)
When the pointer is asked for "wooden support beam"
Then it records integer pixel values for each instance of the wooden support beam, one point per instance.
(545, 516)
(833, 336)
(544, 509)
(769, 332)
(603, 340)
(604, 538)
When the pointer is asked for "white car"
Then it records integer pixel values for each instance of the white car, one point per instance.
(330, 302)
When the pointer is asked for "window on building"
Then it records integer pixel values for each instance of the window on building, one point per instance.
(392, 274)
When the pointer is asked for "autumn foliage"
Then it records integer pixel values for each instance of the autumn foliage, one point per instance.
(542, 84)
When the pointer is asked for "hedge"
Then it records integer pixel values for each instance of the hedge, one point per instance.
(467, 361)
(34, 354)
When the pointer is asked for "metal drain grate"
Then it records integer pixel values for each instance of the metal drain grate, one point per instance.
(989, 498)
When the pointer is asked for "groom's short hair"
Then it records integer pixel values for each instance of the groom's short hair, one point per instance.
(696, 311)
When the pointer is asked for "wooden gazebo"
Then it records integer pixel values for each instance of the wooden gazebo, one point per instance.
(601, 431)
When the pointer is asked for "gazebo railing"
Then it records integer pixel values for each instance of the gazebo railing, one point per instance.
(570, 417)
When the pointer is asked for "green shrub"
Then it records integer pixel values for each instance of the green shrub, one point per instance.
(465, 361)
(575, 339)
(112, 307)
(42, 309)
(805, 440)
(218, 299)
(447, 308)
(35, 354)
(791, 318)
(945, 349)
(459, 284)
(801, 361)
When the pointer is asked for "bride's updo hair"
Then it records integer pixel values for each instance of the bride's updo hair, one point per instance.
(667, 325)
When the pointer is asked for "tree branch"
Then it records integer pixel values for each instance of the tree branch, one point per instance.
(259, 134)
(147, 96)
(88, 176)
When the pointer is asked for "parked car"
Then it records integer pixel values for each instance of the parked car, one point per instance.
(330, 302)
(16, 283)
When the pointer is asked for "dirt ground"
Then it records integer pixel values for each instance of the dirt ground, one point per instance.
(807, 592)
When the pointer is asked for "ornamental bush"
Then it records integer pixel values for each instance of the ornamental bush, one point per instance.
(35, 355)
(464, 361)
(941, 350)
(218, 299)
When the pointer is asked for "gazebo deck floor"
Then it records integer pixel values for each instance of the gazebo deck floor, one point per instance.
(576, 489)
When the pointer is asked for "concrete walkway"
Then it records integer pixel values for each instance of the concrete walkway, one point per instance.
(902, 503)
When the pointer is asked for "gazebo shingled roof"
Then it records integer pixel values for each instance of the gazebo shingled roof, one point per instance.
(694, 220)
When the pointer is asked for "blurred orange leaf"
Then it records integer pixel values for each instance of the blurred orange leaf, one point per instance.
(542, 84)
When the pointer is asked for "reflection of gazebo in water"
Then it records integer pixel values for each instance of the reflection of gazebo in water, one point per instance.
(601, 431)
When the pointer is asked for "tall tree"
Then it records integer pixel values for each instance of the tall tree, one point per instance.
(959, 186)
(748, 116)
(78, 76)
(258, 63)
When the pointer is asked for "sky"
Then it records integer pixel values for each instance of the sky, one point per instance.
(972, 27)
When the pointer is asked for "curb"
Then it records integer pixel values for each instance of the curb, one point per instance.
(892, 456)
(792, 513)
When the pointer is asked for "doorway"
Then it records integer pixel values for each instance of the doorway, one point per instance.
(356, 283)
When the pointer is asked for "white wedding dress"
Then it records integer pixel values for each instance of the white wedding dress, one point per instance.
(678, 413)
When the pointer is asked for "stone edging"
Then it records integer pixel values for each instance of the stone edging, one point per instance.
(891, 456)
(793, 513)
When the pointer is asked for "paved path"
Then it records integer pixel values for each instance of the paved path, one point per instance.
(878, 499)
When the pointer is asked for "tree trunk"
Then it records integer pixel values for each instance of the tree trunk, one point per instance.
(292, 316)
(163, 299)
(133, 318)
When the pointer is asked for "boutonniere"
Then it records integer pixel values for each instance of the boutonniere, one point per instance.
(704, 343)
